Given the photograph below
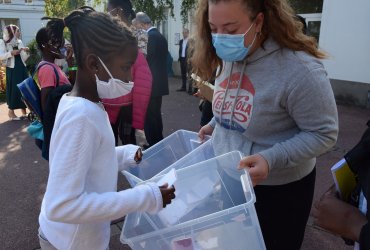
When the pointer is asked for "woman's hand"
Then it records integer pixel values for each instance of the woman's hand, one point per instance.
(337, 216)
(205, 130)
(168, 194)
(199, 94)
(257, 166)
(15, 52)
(25, 49)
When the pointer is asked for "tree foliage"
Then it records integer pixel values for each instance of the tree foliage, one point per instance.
(157, 10)
(61, 8)
(187, 6)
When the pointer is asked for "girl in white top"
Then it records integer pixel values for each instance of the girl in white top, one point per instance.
(81, 197)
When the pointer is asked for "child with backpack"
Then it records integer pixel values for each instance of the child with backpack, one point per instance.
(81, 197)
(50, 79)
(49, 74)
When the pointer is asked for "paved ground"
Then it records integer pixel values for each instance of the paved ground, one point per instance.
(23, 174)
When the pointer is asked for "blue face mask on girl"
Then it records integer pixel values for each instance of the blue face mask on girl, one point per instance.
(230, 48)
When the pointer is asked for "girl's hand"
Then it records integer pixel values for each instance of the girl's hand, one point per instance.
(205, 130)
(168, 194)
(69, 56)
(257, 166)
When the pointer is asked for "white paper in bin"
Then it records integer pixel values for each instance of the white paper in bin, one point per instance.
(184, 205)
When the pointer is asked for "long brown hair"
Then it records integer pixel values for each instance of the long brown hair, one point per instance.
(280, 23)
(11, 29)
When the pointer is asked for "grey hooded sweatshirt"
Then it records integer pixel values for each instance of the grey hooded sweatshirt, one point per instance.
(279, 103)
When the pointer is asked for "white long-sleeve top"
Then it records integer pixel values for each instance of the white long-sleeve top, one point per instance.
(6, 54)
(81, 197)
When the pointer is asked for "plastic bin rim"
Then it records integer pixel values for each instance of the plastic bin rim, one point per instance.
(189, 223)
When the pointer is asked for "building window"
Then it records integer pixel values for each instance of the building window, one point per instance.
(5, 1)
(306, 7)
(311, 11)
(28, 1)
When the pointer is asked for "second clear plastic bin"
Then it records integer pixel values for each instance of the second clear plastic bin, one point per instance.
(201, 153)
(213, 209)
(161, 155)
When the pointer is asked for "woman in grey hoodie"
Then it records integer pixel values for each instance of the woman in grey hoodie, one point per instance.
(272, 101)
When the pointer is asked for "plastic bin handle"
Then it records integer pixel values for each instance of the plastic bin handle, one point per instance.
(247, 187)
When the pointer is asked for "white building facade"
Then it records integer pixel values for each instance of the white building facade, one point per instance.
(26, 14)
(345, 35)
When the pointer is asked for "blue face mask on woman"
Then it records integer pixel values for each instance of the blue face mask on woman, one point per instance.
(230, 48)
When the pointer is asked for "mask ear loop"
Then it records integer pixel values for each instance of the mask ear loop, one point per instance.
(105, 67)
(248, 29)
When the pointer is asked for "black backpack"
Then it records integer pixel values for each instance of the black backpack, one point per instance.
(50, 112)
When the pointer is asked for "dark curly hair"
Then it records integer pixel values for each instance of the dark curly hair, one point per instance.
(90, 30)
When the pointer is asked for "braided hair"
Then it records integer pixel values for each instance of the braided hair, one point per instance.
(126, 7)
(42, 37)
(97, 32)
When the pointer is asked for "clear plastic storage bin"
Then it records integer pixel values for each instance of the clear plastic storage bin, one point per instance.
(213, 209)
(163, 154)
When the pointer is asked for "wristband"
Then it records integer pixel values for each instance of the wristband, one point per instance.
(72, 68)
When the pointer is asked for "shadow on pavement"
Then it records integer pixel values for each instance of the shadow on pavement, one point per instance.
(23, 176)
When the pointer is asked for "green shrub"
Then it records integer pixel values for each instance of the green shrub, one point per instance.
(35, 56)
(2, 97)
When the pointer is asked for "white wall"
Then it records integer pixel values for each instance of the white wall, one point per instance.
(345, 35)
(175, 31)
(29, 16)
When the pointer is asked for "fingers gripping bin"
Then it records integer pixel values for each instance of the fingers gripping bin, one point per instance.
(213, 210)
(163, 154)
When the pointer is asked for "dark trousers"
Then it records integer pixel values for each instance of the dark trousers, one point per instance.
(207, 114)
(123, 127)
(283, 212)
(184, 70)
(153, 123)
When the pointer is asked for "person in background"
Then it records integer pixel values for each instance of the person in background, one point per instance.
(350, 221)
(169, 65)
(127, 113)
(183, 59)
(50, 51)
(141, 35)
(272, 101)
(303, 22)
(81, 198)
(157, 57)
(15, 55)
(49, 77)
